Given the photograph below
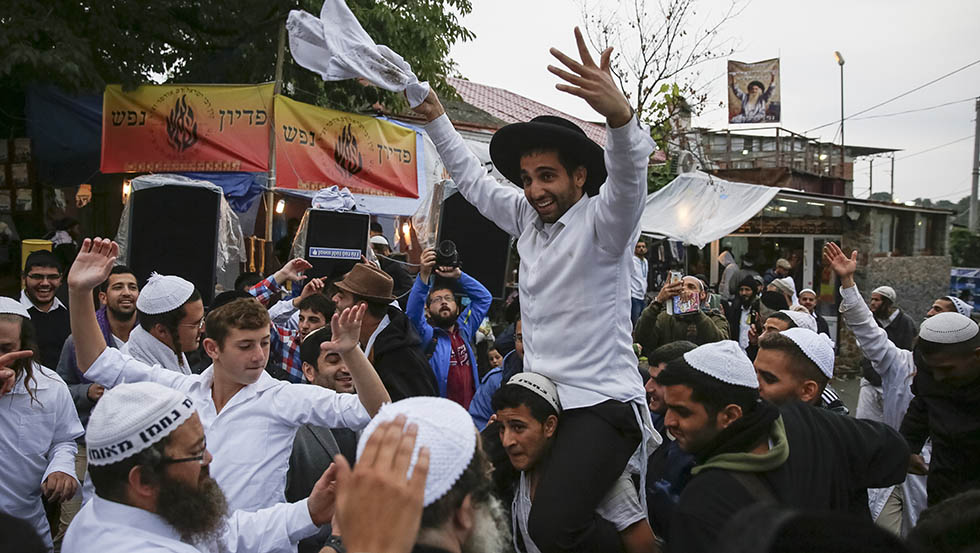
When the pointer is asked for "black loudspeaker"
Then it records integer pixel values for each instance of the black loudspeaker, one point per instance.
(173, 230)
(335, 242)
(482, 246)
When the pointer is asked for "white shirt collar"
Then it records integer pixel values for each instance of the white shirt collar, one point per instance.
(891, 318)
(43, 378)
(381, 326)
(567, 216)
(133, 517)
(27, 303)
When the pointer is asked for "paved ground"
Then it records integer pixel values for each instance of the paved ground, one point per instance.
(848, 390)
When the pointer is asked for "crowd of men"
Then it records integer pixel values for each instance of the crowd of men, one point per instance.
(373, 413)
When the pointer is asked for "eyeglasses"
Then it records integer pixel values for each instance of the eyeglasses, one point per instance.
(198, 458)
(446, 299)
(39, 276)
(199, 324)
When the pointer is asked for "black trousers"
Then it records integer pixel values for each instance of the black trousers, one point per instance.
(591, 450)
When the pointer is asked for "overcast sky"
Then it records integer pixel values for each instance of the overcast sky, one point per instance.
(889, 46)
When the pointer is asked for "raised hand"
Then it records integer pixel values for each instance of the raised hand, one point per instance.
(430, 108)
(428, 262)
(314, 286)
(593, 83)
(93, 263)
(381, 472)
(345, 330)
(293, 270)
(844, 266)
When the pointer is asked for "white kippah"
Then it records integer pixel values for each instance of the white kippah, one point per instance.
(725, 361)
(786, 285)
(802, 320)
(445, 428)
(379, 241)
(805, 291)
(13, 307)
(131, 417)
(817, 347)
(961, 306)
(539, 384)
(163, 293)
(886, 291)
(948, 328)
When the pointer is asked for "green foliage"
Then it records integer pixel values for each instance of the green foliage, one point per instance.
(964, 248)
(81, 45)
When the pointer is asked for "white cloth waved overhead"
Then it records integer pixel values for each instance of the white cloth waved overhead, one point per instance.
(337, 47)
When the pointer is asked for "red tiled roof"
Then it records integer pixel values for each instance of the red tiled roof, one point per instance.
(514, 108)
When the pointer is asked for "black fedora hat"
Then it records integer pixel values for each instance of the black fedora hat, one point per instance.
(547, 131)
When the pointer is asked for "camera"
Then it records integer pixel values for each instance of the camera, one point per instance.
(446, 254)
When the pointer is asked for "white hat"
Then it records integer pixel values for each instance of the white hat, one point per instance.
(445, 428)
(802, 320)
(948, 328)
(13, 307)
(131, 417)
(725, 361)
(539, 384)
(886, 291)
(379, 240)
(961, 306)
(785, 285)
(163, 293)
(817, 347)
(806, 290)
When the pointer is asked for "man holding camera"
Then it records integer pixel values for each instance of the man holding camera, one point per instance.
(447, 329)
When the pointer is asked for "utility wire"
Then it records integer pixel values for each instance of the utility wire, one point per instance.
(916, 110)
(935, 147)
(902, 95)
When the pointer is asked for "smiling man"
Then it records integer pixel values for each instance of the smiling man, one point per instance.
(576, 224)
(249, 417)
(41, 279)
(171, 318)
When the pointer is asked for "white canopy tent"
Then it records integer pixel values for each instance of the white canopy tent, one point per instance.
(697, 208)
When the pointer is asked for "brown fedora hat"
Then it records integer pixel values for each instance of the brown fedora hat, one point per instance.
(367, 281)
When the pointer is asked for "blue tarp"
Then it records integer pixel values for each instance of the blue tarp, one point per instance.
(240, 189)
(65, 133)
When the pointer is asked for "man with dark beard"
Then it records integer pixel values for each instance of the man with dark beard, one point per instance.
(148, 460)
(460, 513)
(446, 328)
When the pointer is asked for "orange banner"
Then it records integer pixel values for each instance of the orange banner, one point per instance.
(161, 128)
(317, 148)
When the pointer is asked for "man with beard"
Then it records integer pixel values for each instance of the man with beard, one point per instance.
(749, 451)
(250, 418)
(930, 394)
(808, 299)
(742, 312)
(754, 101)
(446, 328)
(312, 305)
(42, 277)
(149, 462)
(460, 514)
(575, 231)
(387, 337)
(657, 326)
(901, 330)
(117, 317)
(529, 412)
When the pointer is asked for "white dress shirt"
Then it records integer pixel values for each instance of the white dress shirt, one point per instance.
(638, 278)
(37, 437)
(27, 303)
(252, 437)
(104, 526)
(574, 273)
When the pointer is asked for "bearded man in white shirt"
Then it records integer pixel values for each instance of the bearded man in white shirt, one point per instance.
(149, 462)
(249, 417)
(575, 241)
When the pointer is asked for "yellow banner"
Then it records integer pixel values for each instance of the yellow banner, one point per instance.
(318, 147)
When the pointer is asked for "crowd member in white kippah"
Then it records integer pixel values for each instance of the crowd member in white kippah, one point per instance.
(901, 330)
(935, 401)
(149, 461)
(797, 364)
(808, 299)
(460, 513)
(786, 319)
(250, 418)
(38, 425)
(950, 304)
(749, 451)
(529, 412)
(171, 318)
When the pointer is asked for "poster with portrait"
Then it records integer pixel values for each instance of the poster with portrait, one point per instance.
(753, 92)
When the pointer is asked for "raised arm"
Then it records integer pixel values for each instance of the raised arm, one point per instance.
(346, 328)
(628, 146)
(91, 267)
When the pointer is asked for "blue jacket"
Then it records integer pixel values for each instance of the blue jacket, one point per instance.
(480, 407)
(468, 322)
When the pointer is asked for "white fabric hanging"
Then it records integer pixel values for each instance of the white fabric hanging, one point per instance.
(338, 48)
